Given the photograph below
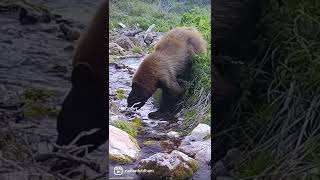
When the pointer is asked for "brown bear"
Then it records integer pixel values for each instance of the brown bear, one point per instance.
(165, 68)
(84, 108)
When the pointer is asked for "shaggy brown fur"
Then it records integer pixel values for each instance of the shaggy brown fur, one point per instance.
(166, 64)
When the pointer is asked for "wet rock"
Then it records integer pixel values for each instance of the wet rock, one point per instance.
(33, 15)
(167, 146)
(153, 134)
(153, 123)
(175, 165)
(173, 134)
(49, 29)
(200, 132)
(125, 43)
(201, 150)
(69, 33)
(123, 148)
(197, 144)
(69, 48)
(115, 49)
(120, 66)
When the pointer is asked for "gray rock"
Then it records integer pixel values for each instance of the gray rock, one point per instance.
(122, 146)
(173, 134)
(196, 143)
(125, 43)
(115, 49)
(200, 132)
(163, 165)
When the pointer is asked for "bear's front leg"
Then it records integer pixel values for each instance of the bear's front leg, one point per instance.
(168, 106)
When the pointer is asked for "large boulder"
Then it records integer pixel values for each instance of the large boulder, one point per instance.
(123, 148)
(198, 143)
(175, 165)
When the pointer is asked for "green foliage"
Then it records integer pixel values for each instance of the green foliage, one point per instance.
(199, 87)
(35, 100)
(120, 94)
(38, 94)
(280, 104)
(199, 18)
(143, 13)
(136, 50)
(130, 128)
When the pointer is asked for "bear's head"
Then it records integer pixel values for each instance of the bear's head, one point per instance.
(138, 96)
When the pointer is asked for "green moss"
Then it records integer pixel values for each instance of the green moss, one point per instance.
(150, 142)
(34, 103)
(194, 165)
(120, 160)
(136, 50)
(120, 94)
(130, 128)
(137, 123)
(38, 94)
(34, 109)
(182, 172)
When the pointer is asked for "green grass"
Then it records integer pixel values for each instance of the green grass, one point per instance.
(120, 94)
(35, 100)
(280, 106)
(136, 50)
(130, 128)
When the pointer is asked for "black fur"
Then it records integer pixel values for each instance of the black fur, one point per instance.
(83, 109)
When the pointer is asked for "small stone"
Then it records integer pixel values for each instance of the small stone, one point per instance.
(121, 25)
(173, 134)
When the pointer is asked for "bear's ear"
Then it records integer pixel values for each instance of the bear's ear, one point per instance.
(82, 75)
